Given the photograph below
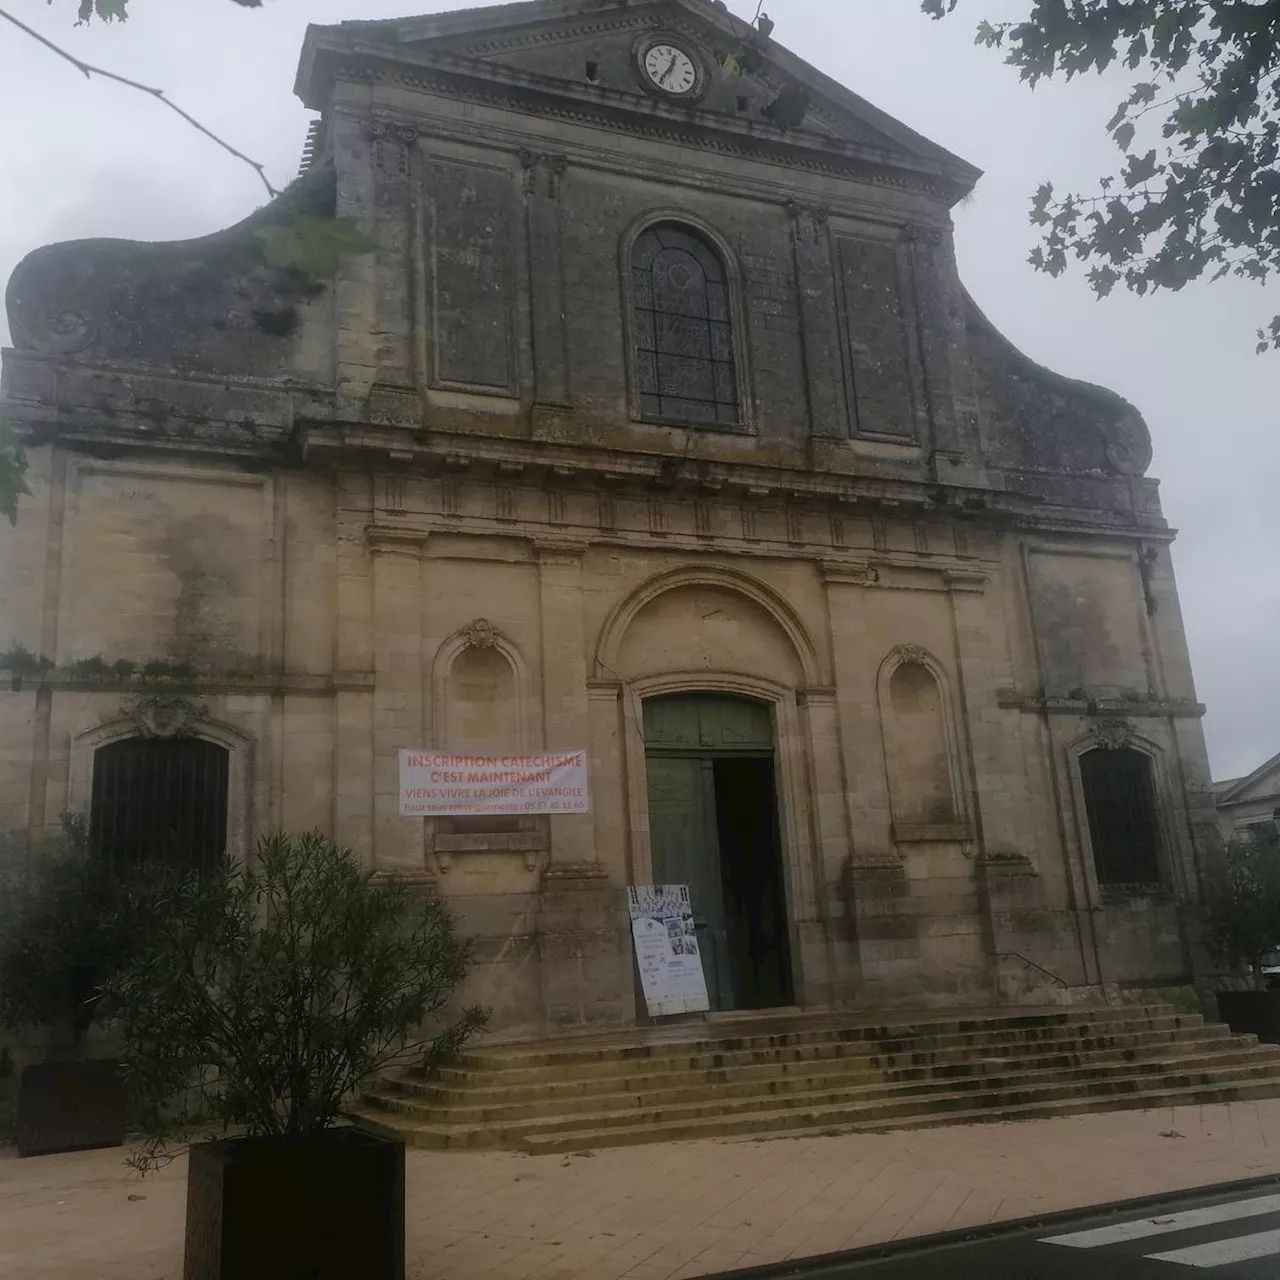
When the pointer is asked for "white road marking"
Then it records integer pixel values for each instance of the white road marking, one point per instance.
(1232, 1211)
(1221, 1253)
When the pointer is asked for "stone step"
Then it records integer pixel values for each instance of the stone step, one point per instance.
(939, 1112)
(1080, 1036)
(823, 1074)
(494, 1107)
(508, 1124)
(893, 1113)
(485, 1088)
(618, 1049)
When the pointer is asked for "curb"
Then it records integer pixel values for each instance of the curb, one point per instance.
(821, 1264)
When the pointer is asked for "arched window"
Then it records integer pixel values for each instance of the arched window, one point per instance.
(1119, 799)
(162, 800)
(683, 334)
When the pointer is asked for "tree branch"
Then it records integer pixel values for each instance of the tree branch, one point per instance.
(89, 71)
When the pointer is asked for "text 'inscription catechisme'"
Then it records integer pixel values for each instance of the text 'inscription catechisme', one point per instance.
(441, 784)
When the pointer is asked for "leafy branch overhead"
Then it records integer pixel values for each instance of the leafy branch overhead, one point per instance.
(314, 246)
(1198, 193)
(118, 10)
(13, 468)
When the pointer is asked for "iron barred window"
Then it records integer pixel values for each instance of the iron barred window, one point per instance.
(683, 335)
(160, 799)
(1120, 801)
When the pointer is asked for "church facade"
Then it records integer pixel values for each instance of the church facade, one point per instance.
(658, 425)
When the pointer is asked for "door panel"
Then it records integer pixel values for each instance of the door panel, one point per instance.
(708, 722)
(683, 838)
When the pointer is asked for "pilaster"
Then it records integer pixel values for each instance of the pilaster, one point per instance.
(564, 680)
(543, 178)
(819, 323)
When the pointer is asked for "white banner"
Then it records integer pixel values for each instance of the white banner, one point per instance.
(437, 784)
(667, 950)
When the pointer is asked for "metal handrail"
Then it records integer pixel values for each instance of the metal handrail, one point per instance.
(1017, 955)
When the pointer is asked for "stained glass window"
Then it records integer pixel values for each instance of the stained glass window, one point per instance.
(683, 335)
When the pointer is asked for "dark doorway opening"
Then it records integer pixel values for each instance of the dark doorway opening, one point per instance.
(751, 876)
(713, 826)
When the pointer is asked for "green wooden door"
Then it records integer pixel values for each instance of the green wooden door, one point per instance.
(684, 735)
(682, 835)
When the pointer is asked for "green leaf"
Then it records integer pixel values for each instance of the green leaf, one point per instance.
(13, 468)
(316, 247)
(732, 66)
(271, 991)
(1123, 134)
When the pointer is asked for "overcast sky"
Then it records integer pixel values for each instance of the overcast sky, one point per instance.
(85, 158)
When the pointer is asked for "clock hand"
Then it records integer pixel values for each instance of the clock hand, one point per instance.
(671, 66)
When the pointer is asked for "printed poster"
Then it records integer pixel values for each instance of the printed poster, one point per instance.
(667, 951)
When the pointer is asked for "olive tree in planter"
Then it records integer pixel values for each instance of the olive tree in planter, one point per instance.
(263, 999)
(1242, 925)
(65, 930)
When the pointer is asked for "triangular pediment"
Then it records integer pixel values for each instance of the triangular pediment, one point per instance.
(594, 50)
(1261, 784)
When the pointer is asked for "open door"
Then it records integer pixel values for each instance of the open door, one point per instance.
(713, 825)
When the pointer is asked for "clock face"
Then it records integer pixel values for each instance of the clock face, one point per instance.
(670, 69)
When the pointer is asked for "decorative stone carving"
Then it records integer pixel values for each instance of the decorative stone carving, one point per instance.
(157, 716)
(383, 126)
(555, 166)
(61, 333)
(1128, 445)
(810, 222)
(481, 634)
(912, 653)
(1112, 733)
(924, 234)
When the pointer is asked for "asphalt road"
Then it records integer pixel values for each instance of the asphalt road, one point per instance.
(1222, 1234)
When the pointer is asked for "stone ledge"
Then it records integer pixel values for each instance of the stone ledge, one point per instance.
(931, 832)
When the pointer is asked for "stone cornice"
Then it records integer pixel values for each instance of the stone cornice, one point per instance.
(286, 423)
(1184, 709)
(206, 684)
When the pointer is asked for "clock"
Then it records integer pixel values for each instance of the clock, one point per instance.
(669, 70)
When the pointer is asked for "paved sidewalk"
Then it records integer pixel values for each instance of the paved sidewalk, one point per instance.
(670, 1211)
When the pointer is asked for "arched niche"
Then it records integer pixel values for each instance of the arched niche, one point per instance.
(480, 705)
(921, 761)
(480, 693)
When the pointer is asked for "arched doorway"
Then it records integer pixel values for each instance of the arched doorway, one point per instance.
(713, 825)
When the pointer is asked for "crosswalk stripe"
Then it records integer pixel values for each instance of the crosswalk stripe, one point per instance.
(1221, 1253)
(1232, 1211)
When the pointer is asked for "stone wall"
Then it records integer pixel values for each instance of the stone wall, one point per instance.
(417, 505)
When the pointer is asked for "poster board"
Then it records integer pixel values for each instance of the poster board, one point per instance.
(667, 951)
(440, 784)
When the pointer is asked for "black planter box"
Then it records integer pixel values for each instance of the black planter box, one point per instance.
(328, 1209)
(1252, 1013)
(70, 1106)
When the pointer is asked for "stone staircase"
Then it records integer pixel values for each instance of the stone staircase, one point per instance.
(821, 1074)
